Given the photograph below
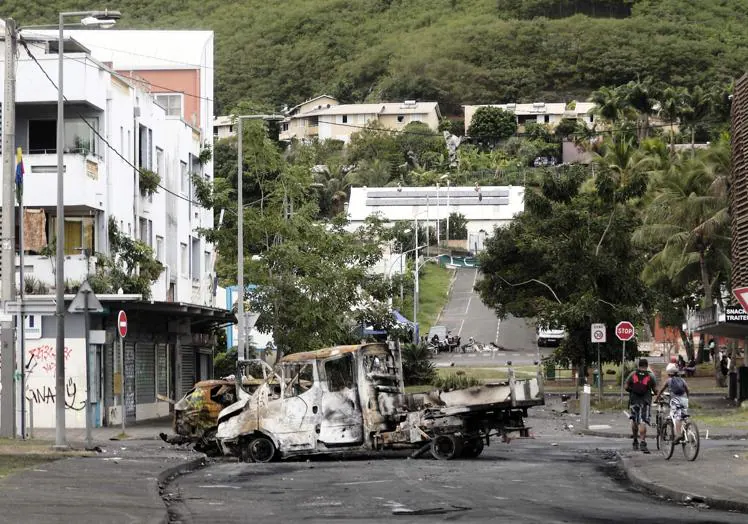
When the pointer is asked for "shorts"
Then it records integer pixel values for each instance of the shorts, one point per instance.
(678, 407)
(640, 413)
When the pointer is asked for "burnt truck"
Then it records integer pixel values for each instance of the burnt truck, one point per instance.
(351, 398)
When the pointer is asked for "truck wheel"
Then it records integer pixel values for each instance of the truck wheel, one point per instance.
(261, 449)
(473, 448)
(446, 447)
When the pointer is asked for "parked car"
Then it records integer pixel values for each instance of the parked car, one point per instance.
(550, 337)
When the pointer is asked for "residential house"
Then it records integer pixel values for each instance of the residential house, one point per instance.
(324, 118)
(116, 126)
(550, 114)
(223, 127)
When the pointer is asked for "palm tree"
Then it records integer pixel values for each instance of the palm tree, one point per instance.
(610, 104)
(674, 105)
(371, 173)
(688, 223)
(700, 106)
(642, 96)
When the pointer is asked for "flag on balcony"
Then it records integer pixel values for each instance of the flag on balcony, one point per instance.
(19, 175)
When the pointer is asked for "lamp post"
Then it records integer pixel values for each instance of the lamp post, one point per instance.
(104, 19)
(416, 291)
(446, 177)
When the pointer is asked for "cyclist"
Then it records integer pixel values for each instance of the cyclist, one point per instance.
(678, 398)
(640, 384)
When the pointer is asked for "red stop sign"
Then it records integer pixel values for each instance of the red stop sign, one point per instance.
(122, 324)
(625, 330)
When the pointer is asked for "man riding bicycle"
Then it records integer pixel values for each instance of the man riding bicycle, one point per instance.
(678, 398)
(641, 385)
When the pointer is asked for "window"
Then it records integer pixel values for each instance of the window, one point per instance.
(215, 130)
(592, 118)
(345, 119)
(122, 140)
(206, 261)
(546, 118)
(160, 167)
(145, 145)
(183, 259)
(160, 249)
(146, 231)
(79, 234)
(42, 136)
(79, 137)
(284, 125)
(299, 378)
(172, 103)
(400, 118)
(185, 185)
(339, 373)
(195, 266)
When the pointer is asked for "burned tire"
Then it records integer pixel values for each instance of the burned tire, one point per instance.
(446, 447)
(208, 444)
(473, 448)
(261, 449)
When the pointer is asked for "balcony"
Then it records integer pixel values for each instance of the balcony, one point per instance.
(84, 180)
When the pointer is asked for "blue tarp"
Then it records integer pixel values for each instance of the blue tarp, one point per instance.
(399, 318)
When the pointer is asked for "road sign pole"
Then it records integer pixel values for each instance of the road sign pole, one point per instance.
(623, 367)
(86, 334)
(599, 376)
(122, 380)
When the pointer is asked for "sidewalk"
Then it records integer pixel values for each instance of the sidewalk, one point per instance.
(147, 430)
(716, 478)
(120, 484)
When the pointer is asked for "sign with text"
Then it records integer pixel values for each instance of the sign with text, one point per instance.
(625, 330)
(736, 314)
(597, 334)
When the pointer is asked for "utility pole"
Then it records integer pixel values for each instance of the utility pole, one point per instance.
(8, 264)
(240, 349)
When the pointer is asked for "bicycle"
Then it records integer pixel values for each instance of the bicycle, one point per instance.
(665, 424)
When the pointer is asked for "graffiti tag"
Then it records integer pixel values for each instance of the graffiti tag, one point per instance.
(47, 395)
(45, 355)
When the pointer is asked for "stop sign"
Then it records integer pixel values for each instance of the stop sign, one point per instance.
(625, 330)
(122, 324)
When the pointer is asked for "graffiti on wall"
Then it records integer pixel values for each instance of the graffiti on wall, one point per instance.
(45, 356)
(47, 395)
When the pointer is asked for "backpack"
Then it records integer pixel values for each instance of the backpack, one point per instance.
(640, 385)
(677, 386)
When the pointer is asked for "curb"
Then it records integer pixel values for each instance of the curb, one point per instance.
(449, 292)
(611, 434)
(639, 480)
(175, 512)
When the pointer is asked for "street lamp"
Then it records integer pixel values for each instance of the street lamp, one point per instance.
(104, 18)
(446, 177)
(415, 267)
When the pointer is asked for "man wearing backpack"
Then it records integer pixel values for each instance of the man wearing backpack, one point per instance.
(678, 399)
(641, 385)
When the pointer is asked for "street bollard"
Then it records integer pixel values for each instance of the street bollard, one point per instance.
(585, 406)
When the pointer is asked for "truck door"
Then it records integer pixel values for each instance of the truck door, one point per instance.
(341, 422)
(295, 425)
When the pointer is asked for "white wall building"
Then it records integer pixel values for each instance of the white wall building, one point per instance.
(168, 347)
(484, 208)
(550, 114)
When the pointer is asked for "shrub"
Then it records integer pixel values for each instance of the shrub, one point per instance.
(455, 381)
(417, 366)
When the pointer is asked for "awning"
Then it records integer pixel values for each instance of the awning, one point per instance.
(400, 319)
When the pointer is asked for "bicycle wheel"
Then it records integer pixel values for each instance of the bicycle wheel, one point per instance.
(658, 426)
(691, 442)
(668, 440)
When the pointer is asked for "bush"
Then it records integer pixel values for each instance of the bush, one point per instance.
(455, 381)
(417, 366)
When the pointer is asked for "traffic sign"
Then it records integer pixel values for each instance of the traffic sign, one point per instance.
(625, 330)
(78, 305)
(122, 324)
(597, 333)
(741, 293)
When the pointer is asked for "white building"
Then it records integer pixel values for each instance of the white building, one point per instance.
(550, 114)
(136, 127)
(323, 117)
(484, 208)
(223, 127)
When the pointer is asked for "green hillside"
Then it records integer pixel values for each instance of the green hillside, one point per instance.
(455, 51)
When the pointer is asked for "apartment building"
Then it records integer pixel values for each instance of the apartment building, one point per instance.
(544, 113)
(122, 117)
(323, 117)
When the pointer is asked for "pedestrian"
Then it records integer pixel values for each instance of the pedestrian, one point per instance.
(641, 385)
(724, 368)
(681, 363)
(678, 398)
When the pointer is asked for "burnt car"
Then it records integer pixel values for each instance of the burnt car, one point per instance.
(196, 414)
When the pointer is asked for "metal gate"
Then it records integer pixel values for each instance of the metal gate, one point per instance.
(187, 380)
(129, 381)
(145, 378)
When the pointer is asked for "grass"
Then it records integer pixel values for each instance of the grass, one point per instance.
(433, 288)
(16, 455)
(732, 418)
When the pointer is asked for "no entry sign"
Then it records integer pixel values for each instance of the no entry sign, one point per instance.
(625, 330)
(122, 324)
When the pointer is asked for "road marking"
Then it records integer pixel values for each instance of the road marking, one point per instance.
(459, 331)
(467, 307)
(361, 482)
(498, 326)
(220, 486)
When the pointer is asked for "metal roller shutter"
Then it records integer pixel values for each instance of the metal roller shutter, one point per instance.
(129, 380)
(188, 368)
(145, 377)
(162, 374)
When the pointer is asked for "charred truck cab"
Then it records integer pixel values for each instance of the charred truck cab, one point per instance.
(351, 398)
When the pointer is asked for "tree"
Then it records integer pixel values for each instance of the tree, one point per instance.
(421, 146)
(674, 107)
(492, 124)
(549, 264)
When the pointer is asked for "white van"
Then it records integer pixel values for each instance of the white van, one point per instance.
(549, 337)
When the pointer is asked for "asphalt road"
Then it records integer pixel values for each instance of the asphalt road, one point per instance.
(467, 316)
(543, 480)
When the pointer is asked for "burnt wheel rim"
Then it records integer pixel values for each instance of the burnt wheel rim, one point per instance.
(261, 450)
(444, 447)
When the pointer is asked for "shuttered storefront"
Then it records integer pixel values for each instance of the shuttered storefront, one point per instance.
(187, 380)
(162, 370)
(145, 377)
